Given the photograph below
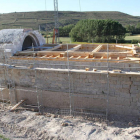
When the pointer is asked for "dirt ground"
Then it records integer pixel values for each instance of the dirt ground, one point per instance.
(28, 125)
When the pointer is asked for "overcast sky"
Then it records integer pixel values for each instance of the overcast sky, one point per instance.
(131, 7)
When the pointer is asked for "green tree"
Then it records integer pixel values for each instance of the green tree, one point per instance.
(97, 30)
(64, 31)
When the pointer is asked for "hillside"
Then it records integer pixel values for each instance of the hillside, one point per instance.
(34, 19)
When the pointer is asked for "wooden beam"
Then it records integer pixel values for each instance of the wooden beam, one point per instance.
(57, 56)
(17, 105)
(71, 57)
(102, 57)
(86, 57)
(74, 48)
(118, 46)
(78, 57)
(43, 56)
(50, 56)
(55, 48)
(97, 49)
(90, 56)
(62, 54)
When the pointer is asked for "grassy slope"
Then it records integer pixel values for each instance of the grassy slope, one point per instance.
(34, 19)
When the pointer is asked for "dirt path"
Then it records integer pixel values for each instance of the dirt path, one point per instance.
(26, 125)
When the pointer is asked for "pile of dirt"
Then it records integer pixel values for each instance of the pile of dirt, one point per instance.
(34, 126)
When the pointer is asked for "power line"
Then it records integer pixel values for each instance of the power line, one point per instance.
(45, 5)
(80, 5)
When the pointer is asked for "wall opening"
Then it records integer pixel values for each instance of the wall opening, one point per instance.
(28, 43)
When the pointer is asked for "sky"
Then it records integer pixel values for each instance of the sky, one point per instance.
(126, 6)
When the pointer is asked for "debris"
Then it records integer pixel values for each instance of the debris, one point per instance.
(130, 124)
(64, 124)
(17, 105)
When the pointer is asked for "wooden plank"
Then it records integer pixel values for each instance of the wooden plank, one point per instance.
(97, 49)
(117, 71)
(90, 56)
(119, 46)
(62, 54)
(86, 57)
(71, 57)
(17, 105)
(74, 48)
(78, 57)
(55, 48)
(42, 53)
(57, 56)
(102, 57)
(43, 56)
(50, 56)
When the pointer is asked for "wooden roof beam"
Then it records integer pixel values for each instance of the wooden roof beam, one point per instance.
(71, 57)
(102, 57)
(97, 49)
(86, 57)
(118, 46)
(50, 56)
(74, 48)
(55, 48)
(57, 56)
(78, 57)
(43, 56)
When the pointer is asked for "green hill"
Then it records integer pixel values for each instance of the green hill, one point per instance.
(34, 19)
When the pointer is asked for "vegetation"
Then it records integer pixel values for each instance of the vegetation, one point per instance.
(46, 19)
(97, 31)
(133, 29)
(64, 40)
(64, 31)
(3, 138)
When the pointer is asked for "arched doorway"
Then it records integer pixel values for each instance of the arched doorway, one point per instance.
(28, 43)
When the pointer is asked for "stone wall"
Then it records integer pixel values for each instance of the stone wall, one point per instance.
(78, 65)
(85, 90)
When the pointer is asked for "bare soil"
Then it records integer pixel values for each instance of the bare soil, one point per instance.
(28, 125)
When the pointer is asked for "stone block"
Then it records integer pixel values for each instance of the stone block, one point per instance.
(125, 95)
(125, 86)
(134, 91)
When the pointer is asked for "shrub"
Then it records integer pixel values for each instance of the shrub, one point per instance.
(134, 41)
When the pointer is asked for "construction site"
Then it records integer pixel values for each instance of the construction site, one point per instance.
(76, 78)
(91, 81)
(69, 79)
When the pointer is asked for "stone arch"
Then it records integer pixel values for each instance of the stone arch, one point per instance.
(29, 41)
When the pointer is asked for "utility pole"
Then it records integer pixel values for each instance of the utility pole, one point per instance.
(56, 29)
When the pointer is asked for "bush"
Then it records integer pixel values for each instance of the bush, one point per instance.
(134, 41)
(128, 34)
